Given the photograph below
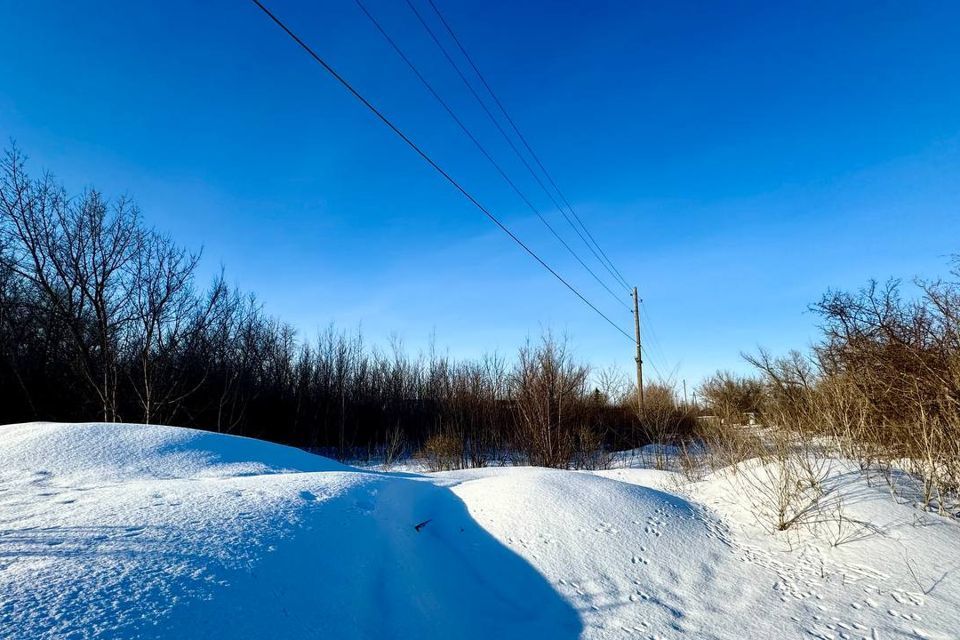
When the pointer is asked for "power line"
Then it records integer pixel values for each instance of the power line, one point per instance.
(346, 84)
(506, 136)
(651, 362)
(482, 149)
(523, 139)
(641, 347)
(645, 310)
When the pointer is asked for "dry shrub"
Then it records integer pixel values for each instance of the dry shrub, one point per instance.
(589, 450)
(726, 445)
(896, 364)
(665, 421)
(787, 482)
(442, 452)
(730, 397)
(548, 388)
(692, 459)
(394, 446)
(882, 387)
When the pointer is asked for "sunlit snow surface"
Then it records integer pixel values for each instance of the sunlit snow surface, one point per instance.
(146, 531)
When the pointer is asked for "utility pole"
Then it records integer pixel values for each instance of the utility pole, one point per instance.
(639, 357)
(684, 392)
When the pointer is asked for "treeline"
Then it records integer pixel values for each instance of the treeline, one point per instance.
(102, 318)
(882, 384)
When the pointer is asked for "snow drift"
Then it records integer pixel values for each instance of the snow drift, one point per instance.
(147, 531)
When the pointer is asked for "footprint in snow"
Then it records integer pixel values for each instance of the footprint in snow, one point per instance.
(364, 505)
(606, 527)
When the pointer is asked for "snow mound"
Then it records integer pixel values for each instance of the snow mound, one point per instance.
(130, 451)
(122, 531)
(632, 559)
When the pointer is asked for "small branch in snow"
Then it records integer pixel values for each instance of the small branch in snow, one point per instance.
(421, 525)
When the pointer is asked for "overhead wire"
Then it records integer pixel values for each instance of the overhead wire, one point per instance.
(612, 268)
(616, 272)
(507, 137)
(658, 346)
(426, 83)
(383, 118)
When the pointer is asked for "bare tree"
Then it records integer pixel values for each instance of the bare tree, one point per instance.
(165, 306)
(75, 253)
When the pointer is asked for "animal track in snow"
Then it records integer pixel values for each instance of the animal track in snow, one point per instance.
(606, 527)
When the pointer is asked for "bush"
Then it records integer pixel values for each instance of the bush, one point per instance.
(548, 389)
(442, 452)
(589, 451)
(730, 397)
(883, 384)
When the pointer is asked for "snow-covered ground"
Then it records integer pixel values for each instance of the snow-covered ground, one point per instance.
(146, 531)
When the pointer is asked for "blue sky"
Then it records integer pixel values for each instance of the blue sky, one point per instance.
(734, 159)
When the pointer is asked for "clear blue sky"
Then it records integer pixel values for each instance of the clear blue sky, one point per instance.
(734, 159)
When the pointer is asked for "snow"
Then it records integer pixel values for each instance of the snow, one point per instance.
(145, 531)
(149, 531)
(867, 566)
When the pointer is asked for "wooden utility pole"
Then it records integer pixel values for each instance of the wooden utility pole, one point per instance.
(639, 358)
